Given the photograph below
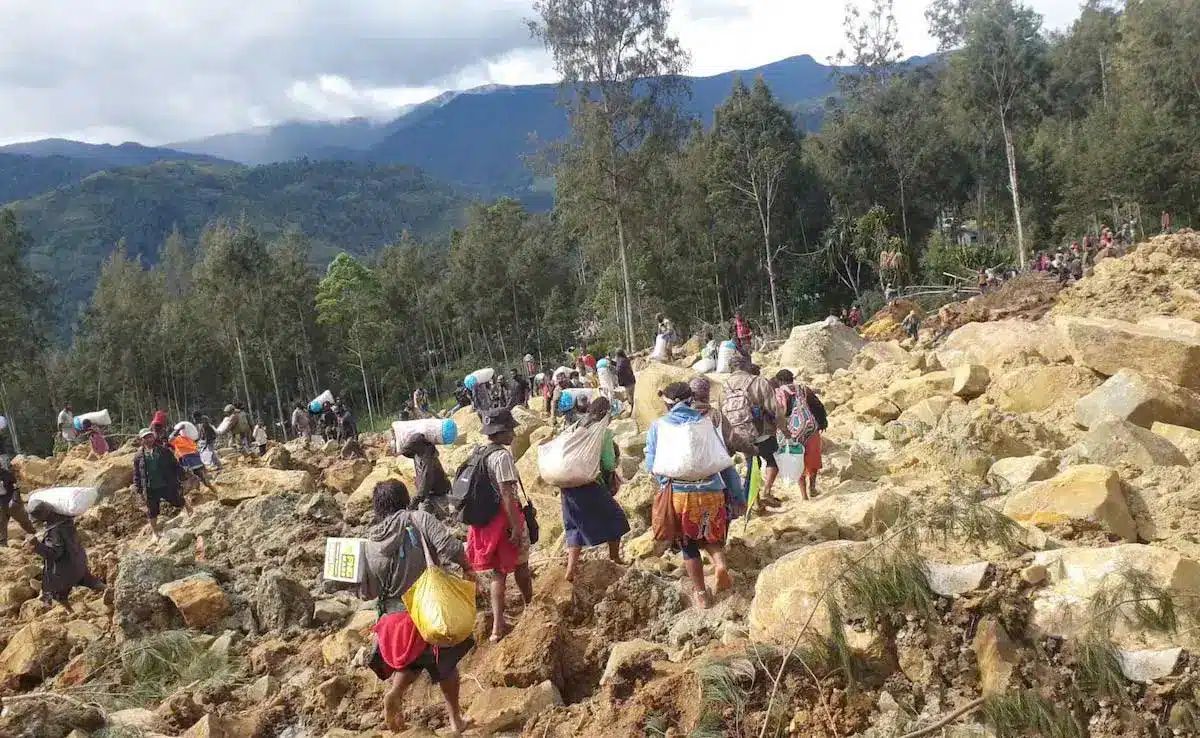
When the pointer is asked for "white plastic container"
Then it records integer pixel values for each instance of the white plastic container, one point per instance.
(319, 401)
(660, 352)
(70, 501)
(725, 356)
(483, 375)
(571, 396)
(438, 431)
(345, 559)
(791, 466)
(98, 418)
(188, 429)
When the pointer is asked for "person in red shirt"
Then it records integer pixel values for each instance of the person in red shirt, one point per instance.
(743, 334)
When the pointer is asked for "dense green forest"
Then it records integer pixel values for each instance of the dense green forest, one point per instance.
(337, 205)
(1023, 138)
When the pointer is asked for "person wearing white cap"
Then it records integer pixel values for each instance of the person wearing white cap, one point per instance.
(156, 476)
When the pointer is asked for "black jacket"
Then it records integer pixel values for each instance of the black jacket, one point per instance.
(172, 470)
(66, 560)
(625, 377)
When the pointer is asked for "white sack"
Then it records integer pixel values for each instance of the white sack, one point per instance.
(188, 430)
(690, 452)
(70, 501)
(704, 366)
(573, 458)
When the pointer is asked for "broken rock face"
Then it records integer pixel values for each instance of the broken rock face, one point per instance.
(1123, 444)
(1138, 399)
(1092, 494)
(1107, 346)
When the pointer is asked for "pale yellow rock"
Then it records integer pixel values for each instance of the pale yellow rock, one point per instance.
(1033, 389)
(1186, 440)
(113, 472)
(820, 348)
(791, 592)
(344, 475)
(247, 482)
(909, 392)
(500, 709)
(358, 507)
(1141, 400)
(35, 653)
(629, 652)
(876, 407)
(647, 405)
(929, 411)
(1062, 607)
(34, 473)
(1123, 444)
(199, 599)
(996, 656)
(1108, 346)
(970, 381)
(1012, 474)
(1089, 493)
(1001, 343)
(527, 423)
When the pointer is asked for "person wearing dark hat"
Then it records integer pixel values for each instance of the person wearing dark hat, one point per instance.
(502, 545)
(701, 507)
(156, 476)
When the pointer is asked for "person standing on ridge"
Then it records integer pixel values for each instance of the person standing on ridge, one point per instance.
(10, 496)
(625, 375)
(743, 334)
(66, 424)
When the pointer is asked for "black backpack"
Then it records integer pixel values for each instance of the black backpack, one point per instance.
(472, 491)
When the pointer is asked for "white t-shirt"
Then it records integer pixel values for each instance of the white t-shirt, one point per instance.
(260, 435)
(66, 424)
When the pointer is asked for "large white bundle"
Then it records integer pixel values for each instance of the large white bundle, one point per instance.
(572, 395)
(660, 352)
(98, 418)
(573, 458)
(607, 380)
(70, 501)
(438, 431)
(483, 376)
(562, 371)
(704, 366)
(319, 401)
(689, 452)
(725, 355)
(225, 425)
(188, 430)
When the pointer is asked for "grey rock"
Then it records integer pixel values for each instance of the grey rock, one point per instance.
(281, 603)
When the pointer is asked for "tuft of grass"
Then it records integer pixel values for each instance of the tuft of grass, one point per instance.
(1025, 713)
(657, 725)
(964, 520)
(1132, 597)
(895, 583)
(1097, 670)
(154, 667)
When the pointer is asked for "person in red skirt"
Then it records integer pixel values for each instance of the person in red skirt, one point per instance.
(395, 560)
(502, 545)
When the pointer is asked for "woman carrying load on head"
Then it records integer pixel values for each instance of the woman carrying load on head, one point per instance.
(701, 508)
(395, 561)
(591, 515)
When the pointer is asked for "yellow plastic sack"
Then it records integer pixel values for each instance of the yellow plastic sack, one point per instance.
(442, 607)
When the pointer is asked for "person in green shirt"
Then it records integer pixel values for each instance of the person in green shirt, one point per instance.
(591, 515)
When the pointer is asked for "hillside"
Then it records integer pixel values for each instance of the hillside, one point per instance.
(23, 176)
(1002, 545)
(358, 207)
(106, 156)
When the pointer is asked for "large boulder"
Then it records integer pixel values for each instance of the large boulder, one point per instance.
(1121, 443)
(109, 474)
(1012, 474)
(792, 592)
(876, 407)
(928, 411)
(1037, 388)
(1186, 440)
(281, 603)
(1108, 346)
(34, 654)
(344, 475)
(1092, 494)
(909, 392)
(821, 348)
(137, 604)
(647, 405)
(501, 709)
(970, 381)
(248, 482)
(1172, 324)
(527, 423)
(1064, 607)
(1001, 343)
(199, 599)
(358, 505)
(468, 422)
(34, 473)
(1139, 399)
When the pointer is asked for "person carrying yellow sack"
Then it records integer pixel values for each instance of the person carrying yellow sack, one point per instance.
(405, 549)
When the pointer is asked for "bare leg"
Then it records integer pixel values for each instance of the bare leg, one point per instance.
(499, 582)
(525, 582)
(717, 553)
(154, 528)
(573, 553)
(768, 482)
(449, 689)
(393, 701)
(812, 485)
(695, 572)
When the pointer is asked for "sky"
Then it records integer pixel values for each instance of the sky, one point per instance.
(172, 70)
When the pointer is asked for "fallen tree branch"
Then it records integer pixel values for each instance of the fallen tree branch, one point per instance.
(943, 722)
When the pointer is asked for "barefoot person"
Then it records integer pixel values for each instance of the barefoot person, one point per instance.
(501, 545)
(156, 476)
(591, 517)
(395, 560)
(701, 507)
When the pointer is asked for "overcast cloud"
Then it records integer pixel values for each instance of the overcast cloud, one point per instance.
(156, 72)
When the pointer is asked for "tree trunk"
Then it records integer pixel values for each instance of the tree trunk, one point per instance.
(717, 278)
(366, 388)
(278, 399)
(629, 338)
(12, 423)
(245, 382)
(903, 210)
(764, 216)
(1010, 152)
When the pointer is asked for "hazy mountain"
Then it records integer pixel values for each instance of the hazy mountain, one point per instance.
(339, 205)
(106, 156)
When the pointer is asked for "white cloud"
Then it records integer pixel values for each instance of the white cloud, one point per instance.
(156, 72)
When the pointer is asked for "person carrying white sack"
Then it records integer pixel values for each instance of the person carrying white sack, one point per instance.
(699, 509)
